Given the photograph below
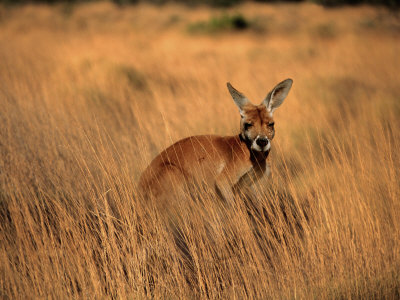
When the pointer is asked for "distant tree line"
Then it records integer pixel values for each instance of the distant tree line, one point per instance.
(219, 3)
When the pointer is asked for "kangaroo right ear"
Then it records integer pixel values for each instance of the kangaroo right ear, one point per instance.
(238, 97)
(275, 97)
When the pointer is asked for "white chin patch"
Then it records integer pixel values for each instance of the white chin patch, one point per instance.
(256, 147)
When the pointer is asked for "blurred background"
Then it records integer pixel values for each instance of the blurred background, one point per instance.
(216, 3)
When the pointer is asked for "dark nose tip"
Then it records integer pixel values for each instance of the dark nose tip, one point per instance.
(262, 142)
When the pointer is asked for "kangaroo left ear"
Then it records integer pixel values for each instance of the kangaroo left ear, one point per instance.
(275, 97)
(240, 99)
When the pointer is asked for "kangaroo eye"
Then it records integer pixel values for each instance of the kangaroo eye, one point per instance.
(271, 124)
(247, 126)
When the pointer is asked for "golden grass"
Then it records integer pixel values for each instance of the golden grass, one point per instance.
(90, 94)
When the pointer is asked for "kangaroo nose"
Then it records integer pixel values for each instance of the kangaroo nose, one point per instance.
(262, 142)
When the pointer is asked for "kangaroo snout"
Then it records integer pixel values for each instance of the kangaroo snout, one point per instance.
(262, 141)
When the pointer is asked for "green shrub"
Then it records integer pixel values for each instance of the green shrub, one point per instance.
(224, 22)
(216, 3)
(125, 2)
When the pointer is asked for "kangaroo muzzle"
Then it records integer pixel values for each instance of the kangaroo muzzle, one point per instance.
(261, 143)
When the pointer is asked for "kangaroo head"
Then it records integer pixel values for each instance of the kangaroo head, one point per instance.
(257, 123)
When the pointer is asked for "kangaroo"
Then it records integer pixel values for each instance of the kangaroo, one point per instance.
(221, 162)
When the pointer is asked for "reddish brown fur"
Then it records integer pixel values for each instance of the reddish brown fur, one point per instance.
(198, 159)
(219, 162)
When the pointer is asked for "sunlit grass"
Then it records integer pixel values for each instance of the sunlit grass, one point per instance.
(89, 97)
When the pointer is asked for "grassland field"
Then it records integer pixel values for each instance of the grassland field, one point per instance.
(90, 93)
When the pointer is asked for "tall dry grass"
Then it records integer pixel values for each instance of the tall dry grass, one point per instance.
(90, 94)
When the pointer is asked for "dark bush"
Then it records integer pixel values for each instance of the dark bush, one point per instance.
(215, 3)
(125, 2)
(272, 1)
(332, 3)
(224, 22)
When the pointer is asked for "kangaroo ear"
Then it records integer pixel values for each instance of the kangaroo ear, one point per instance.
(275, 97)
(238, 97)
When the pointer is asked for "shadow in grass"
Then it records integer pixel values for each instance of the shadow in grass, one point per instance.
(135, 78)
(277, 221)
(325, 31)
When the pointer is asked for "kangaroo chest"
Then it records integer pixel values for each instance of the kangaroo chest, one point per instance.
(253, 173)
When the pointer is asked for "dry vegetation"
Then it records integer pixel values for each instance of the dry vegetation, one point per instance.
(90, 94)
